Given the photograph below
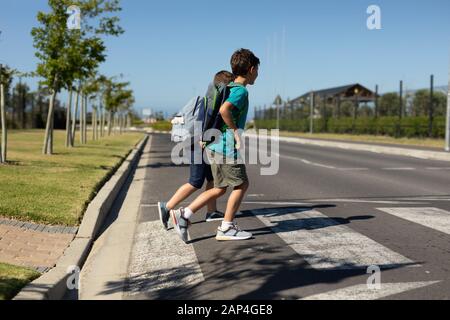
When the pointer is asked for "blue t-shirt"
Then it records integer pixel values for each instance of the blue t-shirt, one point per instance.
(239, 99)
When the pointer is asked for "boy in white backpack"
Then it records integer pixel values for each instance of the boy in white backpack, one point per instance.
(198, 174)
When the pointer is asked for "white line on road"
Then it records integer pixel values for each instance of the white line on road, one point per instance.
(159, 261)
(273, 203)
(362, 292)
(367, 201)
(327, 244)
(433, 218)
(399, 169)
(437, 168)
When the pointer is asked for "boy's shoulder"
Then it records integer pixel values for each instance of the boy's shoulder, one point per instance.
(238, 89)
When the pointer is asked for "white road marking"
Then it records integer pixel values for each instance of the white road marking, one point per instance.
(272, 203)
(353, 169)
(325, 243)
(367, 201)
(362, 292)
(433, 218)
(149, 205)
(160, 261)
(437, 168)
(399, 169)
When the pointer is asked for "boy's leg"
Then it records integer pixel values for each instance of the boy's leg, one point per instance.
(205, 198)
(182, 194)
(212, 205)
(196, 180)
(235, 201)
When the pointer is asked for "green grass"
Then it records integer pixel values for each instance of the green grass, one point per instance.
(161, 126)
(57, 189)
(430, 143)
(13, 279)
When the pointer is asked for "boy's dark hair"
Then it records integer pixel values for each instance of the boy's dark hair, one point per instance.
(242, 61)
(223, 77)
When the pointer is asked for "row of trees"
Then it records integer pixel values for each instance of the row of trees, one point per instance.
(69, 60)
(416, 105)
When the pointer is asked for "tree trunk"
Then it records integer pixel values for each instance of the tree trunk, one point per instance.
(109, 122)
(48, 140)
(94, 119)
(81, 118)
(3, 124)
(74, 123)
(69, 116)
(85, 119)
(102, 121)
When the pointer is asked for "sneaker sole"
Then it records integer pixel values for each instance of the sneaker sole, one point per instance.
(227, 238)
(177, 228)
(215, 219)
(161, 217)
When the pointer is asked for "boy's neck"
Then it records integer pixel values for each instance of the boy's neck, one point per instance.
(241, 80)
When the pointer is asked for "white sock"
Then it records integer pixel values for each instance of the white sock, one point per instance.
(226, 225)
(187, 213)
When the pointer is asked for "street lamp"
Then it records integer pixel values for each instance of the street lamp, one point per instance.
(447, 131)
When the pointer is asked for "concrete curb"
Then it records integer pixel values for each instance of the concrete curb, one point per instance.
(53, 284)
(420, 154)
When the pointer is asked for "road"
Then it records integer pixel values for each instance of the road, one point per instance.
(318, 225)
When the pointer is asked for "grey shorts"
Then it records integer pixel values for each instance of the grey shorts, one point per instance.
(227, 175)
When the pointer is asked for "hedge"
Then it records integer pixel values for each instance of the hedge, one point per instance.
(389, 126)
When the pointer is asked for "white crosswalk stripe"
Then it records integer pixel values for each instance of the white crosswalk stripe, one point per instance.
(433, 218)
(160, 261)
(362, 292)
(328, 244)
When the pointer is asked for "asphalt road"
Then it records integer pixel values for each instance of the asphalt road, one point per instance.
(318, 225)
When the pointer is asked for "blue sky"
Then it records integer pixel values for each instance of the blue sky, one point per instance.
(172, 48)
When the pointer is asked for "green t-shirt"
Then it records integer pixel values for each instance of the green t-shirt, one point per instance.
(239, 99)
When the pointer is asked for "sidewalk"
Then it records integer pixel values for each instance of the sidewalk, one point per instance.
(31, 245)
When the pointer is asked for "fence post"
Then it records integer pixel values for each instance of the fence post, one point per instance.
(431, 107)
(447, 130)
(311, 124)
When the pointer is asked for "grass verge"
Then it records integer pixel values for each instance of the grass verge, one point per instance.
(13, 279)
(57, 189)
(414, 142)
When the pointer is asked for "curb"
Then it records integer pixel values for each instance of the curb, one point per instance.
(53, 284)
(419, 154)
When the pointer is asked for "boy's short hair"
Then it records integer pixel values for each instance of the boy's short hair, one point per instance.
(242, 61)
(223, 77)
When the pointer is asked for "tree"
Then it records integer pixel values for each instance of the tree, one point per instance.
(389, 105)
(421, 103)
(6, 75)
(66, 55)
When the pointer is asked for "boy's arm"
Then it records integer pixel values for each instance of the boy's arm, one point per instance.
(225, 112)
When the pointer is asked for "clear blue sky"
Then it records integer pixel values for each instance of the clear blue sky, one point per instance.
(172, 48)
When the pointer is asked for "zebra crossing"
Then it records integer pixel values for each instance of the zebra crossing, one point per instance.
(161, 262)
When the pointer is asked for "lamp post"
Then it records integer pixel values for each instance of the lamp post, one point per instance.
(447, 131)
(311, 125)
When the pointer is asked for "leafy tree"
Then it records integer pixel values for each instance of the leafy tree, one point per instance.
(66, 55)
(421, 103)
(389, 105)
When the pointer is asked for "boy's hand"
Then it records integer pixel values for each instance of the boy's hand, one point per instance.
(237, 139)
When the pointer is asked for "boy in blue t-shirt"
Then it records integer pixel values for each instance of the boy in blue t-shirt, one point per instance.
(227, 173)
